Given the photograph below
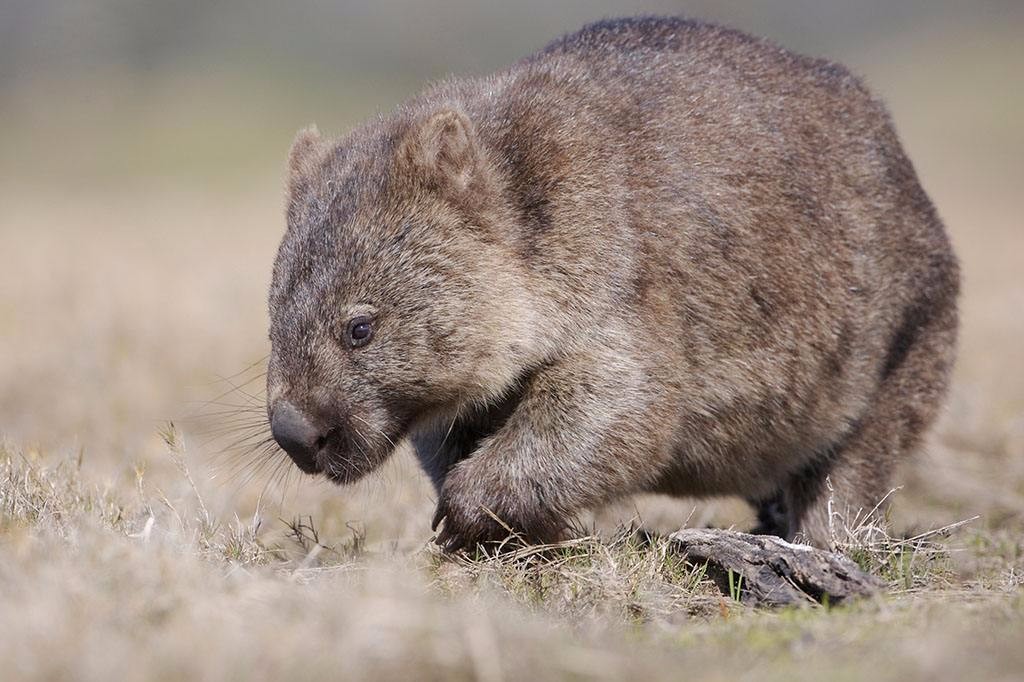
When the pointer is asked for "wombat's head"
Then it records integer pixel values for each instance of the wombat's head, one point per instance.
(394, 293)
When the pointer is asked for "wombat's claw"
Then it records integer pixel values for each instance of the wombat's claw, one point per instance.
(440, 515)
(449, 541)
(446, 539)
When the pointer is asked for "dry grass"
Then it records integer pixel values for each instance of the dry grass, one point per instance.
(131, 549)
(142, 580)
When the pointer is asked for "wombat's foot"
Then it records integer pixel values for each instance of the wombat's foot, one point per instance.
(477, 508)
(771, 516)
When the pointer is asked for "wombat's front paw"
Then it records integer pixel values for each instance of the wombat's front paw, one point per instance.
(478, 510)
(464, 523)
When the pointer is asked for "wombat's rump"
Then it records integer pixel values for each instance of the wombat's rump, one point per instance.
(659, 255)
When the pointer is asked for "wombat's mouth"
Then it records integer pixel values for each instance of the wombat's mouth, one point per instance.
(347, 455)
(344, 469)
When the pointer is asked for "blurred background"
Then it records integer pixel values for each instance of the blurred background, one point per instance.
(142, 148)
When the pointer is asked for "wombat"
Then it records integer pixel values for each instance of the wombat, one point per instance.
(657, 256)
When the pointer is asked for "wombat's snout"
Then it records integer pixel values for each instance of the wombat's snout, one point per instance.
(297, 435)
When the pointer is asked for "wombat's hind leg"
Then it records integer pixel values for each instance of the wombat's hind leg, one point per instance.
(852, 482)
(825, 503)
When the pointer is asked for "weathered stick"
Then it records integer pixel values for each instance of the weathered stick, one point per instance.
(768, 571)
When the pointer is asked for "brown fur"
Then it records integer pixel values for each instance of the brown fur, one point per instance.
(659, 255)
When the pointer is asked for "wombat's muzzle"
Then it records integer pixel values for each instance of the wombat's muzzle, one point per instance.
(297, 436)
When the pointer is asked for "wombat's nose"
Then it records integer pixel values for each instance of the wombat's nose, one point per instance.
(296, 435)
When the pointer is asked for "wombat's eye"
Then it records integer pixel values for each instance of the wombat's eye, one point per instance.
(360, 331)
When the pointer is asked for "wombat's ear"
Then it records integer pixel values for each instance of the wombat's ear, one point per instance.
(305, 151)
(442, 149)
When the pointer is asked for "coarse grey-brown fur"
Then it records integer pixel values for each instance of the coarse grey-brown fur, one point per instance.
(659, 255)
